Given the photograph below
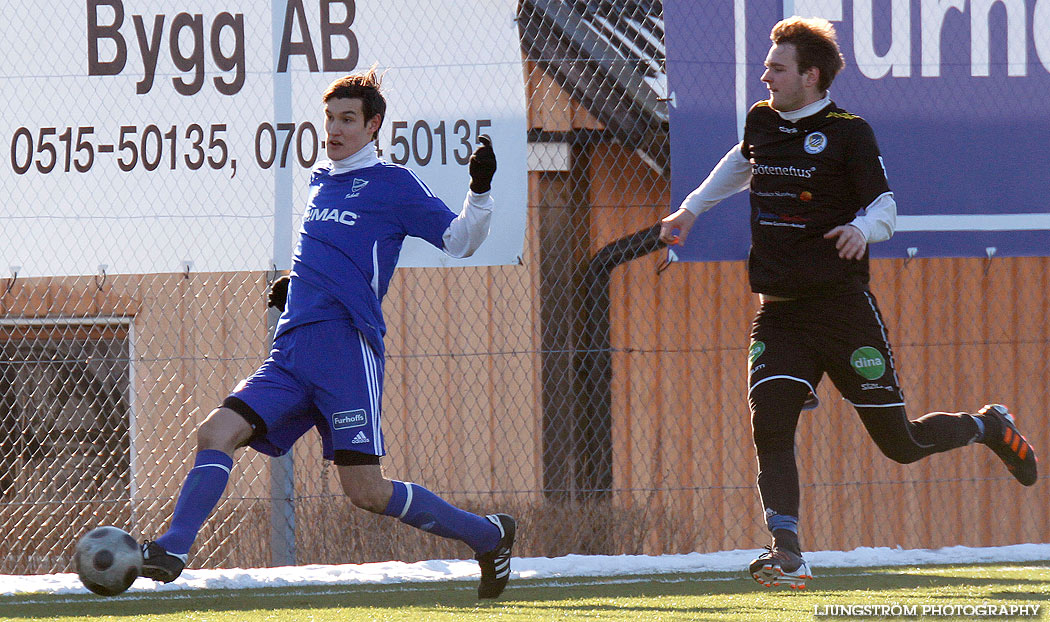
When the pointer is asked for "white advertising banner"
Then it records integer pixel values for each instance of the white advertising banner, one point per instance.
(168, 135)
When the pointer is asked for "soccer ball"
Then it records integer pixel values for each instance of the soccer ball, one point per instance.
(108, 560)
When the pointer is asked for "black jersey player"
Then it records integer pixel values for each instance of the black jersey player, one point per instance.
(819, 196)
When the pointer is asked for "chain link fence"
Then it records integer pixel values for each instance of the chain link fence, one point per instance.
(593, 391)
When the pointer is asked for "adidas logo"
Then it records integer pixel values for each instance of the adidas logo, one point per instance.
(360, 438)
(503, 570)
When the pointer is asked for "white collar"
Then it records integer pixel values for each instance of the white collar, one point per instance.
(807, 110)
(364, 158)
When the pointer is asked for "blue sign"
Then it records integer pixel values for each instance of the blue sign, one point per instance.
(958, 94)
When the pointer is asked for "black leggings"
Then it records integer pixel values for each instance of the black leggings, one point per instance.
(775, 407)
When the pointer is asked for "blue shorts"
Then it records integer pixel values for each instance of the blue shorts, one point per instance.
(323, 375)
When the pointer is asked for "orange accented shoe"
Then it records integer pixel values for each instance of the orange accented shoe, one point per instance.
(782, 563)
(1009, 444)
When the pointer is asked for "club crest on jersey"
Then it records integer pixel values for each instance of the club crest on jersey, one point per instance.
(355, 188)
(815, 143)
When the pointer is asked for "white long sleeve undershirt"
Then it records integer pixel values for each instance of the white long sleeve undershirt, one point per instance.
(731, 175)
(879, 220)
(466, 233)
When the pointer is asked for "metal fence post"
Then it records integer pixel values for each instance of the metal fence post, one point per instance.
(282, 471)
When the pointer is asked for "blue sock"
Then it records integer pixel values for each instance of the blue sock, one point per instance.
(200, 494)
(414, 505)
(979, 437)
(781, 521)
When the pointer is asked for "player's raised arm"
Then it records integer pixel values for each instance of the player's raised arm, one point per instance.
(731, 175)
(466, 233)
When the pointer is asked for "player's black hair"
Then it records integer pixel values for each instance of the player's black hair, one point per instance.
(816, 45)
(367, 87)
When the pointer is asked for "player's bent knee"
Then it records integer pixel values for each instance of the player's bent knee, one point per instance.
(890, 429)
(899, 449)
(367, 500)
(774, 438)
(773, 443)
(899, 452)
(366, 487)
(224, 430)
(775, 407)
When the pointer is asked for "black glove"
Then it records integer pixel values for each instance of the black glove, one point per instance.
(278, 293)
(482, 166)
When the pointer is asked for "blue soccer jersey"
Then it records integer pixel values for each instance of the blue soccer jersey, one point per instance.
(350, 240)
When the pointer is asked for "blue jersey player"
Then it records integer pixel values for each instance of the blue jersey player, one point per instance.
(326, 366)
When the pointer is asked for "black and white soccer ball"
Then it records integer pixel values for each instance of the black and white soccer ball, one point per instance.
(108, 560)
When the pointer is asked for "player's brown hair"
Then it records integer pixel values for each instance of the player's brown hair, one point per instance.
(368, 87)
(816, 45)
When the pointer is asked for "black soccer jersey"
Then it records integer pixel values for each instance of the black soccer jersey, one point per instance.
(808, 177)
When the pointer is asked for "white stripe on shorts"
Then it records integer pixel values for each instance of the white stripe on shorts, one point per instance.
(885, 340)
(372, 379)
(779, 377)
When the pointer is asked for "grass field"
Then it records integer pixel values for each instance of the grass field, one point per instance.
(639, 598)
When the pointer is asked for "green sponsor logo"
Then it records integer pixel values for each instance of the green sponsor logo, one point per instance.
(868, 362)
(756, 351)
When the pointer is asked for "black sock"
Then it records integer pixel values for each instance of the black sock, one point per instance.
(787, 540)
(993, 428)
